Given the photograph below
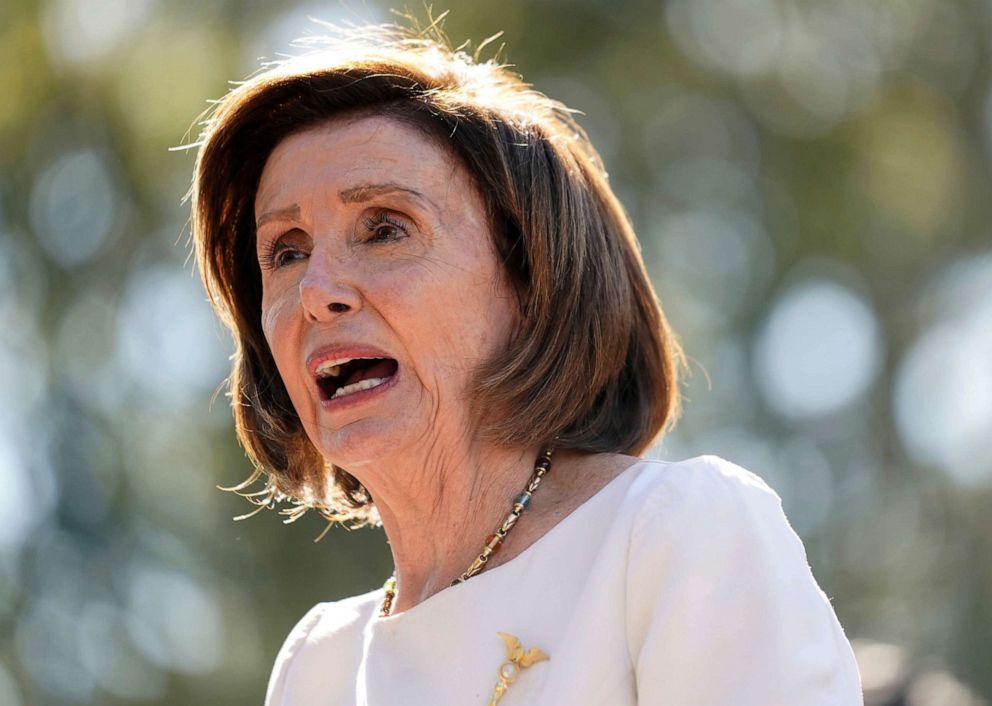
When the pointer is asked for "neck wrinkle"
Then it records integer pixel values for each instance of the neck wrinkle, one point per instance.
(435, 535)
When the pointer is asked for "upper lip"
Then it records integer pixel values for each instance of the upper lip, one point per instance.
(342, 351)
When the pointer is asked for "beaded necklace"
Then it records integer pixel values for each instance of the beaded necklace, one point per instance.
(495, 541)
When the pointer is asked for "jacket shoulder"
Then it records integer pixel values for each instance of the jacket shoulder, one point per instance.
(326, 637)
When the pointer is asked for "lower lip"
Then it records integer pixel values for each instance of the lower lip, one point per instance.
(360, 397)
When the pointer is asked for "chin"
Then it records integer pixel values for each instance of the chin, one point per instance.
(365, 442)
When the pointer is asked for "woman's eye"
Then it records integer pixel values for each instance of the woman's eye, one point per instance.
(384, 227)
(279, 254)
(286, 255)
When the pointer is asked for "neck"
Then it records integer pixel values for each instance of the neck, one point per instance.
(438, 513)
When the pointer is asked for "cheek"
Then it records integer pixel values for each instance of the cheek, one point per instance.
(270, 322)
(472, 318)
(277, 320)
(500, 319)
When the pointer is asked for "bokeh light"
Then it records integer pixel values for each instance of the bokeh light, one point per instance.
(943, 392)
(10, 693)
(174, 621)
(87, 31)
(16, 515)
(169, 342)
(72, 207)
(818, 351)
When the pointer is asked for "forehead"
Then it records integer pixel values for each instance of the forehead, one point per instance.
(348, 152)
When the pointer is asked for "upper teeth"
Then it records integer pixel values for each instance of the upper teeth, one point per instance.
(332, 368)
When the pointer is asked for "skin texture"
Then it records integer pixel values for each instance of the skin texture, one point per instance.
(346, 260)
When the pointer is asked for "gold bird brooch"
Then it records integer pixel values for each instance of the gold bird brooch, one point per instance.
(517, 659)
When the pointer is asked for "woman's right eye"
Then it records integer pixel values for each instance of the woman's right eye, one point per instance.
(279, 254)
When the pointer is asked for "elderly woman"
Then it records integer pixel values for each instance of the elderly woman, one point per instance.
(443, 324)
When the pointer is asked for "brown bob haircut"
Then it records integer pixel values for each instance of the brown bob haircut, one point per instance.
(594, 360)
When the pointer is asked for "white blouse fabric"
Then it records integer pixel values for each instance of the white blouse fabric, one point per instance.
(676, 584)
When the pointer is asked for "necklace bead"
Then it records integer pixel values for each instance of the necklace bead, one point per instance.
(495, 541)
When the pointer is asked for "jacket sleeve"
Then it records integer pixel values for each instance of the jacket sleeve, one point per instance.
(722, 609)
(278, 678)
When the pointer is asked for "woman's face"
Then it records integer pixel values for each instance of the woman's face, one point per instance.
(381, 293)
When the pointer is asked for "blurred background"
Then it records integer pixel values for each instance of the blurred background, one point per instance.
(811, 185)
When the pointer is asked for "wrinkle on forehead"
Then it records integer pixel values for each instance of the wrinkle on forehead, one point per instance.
(382, 153)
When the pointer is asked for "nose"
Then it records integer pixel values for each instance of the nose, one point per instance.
(325, 291)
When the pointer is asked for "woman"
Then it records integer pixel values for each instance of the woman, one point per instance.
(443, 324)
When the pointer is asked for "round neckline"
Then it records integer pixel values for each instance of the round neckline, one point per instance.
(455, 590)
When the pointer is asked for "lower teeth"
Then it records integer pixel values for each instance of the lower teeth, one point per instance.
(358, 387)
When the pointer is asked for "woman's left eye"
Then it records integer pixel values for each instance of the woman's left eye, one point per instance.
(384, 227)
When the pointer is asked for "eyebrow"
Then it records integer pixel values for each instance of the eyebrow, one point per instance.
(356, 194)
(367, 192)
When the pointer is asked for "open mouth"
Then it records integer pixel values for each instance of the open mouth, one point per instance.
(339, 378)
